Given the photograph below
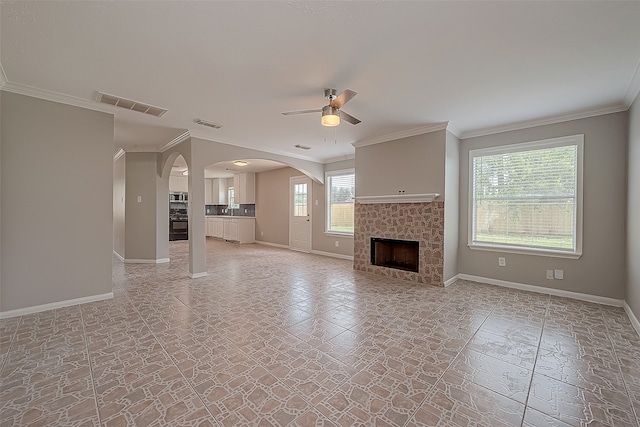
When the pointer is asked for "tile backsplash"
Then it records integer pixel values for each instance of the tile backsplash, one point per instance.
(243, 210)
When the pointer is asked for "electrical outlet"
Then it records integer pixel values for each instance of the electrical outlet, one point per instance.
(550, 274)
(337, 243)
(262, 233)
(139, 199)
(558, 274)
(245, 211)
(502, 262)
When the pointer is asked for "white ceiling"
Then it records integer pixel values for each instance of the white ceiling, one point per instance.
(479, 65)
(227, 169)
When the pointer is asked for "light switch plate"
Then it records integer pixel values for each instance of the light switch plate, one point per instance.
(502, 262)
(558, 274)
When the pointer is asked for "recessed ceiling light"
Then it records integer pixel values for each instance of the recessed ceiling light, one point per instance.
(240, 163)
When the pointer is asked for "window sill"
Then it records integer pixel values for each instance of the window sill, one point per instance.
(338, 234)
(526, 251)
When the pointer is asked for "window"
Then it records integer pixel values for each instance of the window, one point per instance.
(341, 190)
(528, 197)
(232, 199)
(300, 200)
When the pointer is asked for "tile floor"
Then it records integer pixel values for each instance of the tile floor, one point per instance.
(272, 337)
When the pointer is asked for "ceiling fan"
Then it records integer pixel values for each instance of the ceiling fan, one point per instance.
(332, 113)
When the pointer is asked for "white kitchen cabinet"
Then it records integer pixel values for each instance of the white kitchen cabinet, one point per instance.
(231, 229)
(241, 230)
(218, 228)
(244, 185)
(210, 227)
(208, 192)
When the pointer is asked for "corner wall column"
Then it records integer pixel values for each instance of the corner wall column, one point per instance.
(197, 246)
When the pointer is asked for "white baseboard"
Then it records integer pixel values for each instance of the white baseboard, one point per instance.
(332, 255)
(275, 245)
(452, 280)
(632, 317)
(54, 305)
(198, 275)
(542, 290)
(120, 257)
(147, 261)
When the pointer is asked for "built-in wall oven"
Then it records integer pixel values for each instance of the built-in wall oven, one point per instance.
(178, 229)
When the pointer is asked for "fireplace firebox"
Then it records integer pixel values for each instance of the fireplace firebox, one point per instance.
(399, 254)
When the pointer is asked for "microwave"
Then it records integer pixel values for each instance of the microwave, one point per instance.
(178, 197)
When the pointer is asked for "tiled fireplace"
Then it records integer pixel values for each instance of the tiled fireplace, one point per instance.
(420, 222)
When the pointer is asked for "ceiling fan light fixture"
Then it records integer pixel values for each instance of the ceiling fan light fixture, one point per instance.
(330, 116)
(240, 163)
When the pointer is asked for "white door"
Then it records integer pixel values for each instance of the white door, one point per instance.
(300, 214)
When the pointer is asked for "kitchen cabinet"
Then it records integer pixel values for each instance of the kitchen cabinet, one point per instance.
(231, 229)
(209, 227)
(208, 192)
(241, 230)
(218, 230)
(244, 185)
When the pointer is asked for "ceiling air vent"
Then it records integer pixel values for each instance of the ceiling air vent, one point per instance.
(140, 107)
(302, 147)
(207, 123)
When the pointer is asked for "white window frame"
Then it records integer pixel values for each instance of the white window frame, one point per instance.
(327, 182)
(578, 141)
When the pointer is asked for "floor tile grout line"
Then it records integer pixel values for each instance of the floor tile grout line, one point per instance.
(172, 359)
(535, 360)
(13, 337)
(93, 382)
(258, 362)
(624, 379)
(449, 367)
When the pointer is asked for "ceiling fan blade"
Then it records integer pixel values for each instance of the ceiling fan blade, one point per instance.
(348, 118)
(343, 98)
(290, 113)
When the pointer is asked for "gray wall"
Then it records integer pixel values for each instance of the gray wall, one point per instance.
(451, 206)
(601, 269)
(57, 182)
(272, 205)
(119, 206)
(141, 218)
(415, 164)
(272, 211)
(632, 294)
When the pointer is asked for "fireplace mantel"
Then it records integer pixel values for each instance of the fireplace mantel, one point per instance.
(397, 198)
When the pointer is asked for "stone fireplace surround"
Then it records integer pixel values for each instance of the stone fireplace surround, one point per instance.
(422, 222)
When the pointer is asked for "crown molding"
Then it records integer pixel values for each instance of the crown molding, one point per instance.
(175, 141)
(584, 114)
(339, 158)
(432, 127)
(453, 130)
(3, 76)
(631, 94)
(47, 95)
(118, 154)
(200, 135)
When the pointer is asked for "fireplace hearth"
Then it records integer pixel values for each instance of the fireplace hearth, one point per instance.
(393, 253)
